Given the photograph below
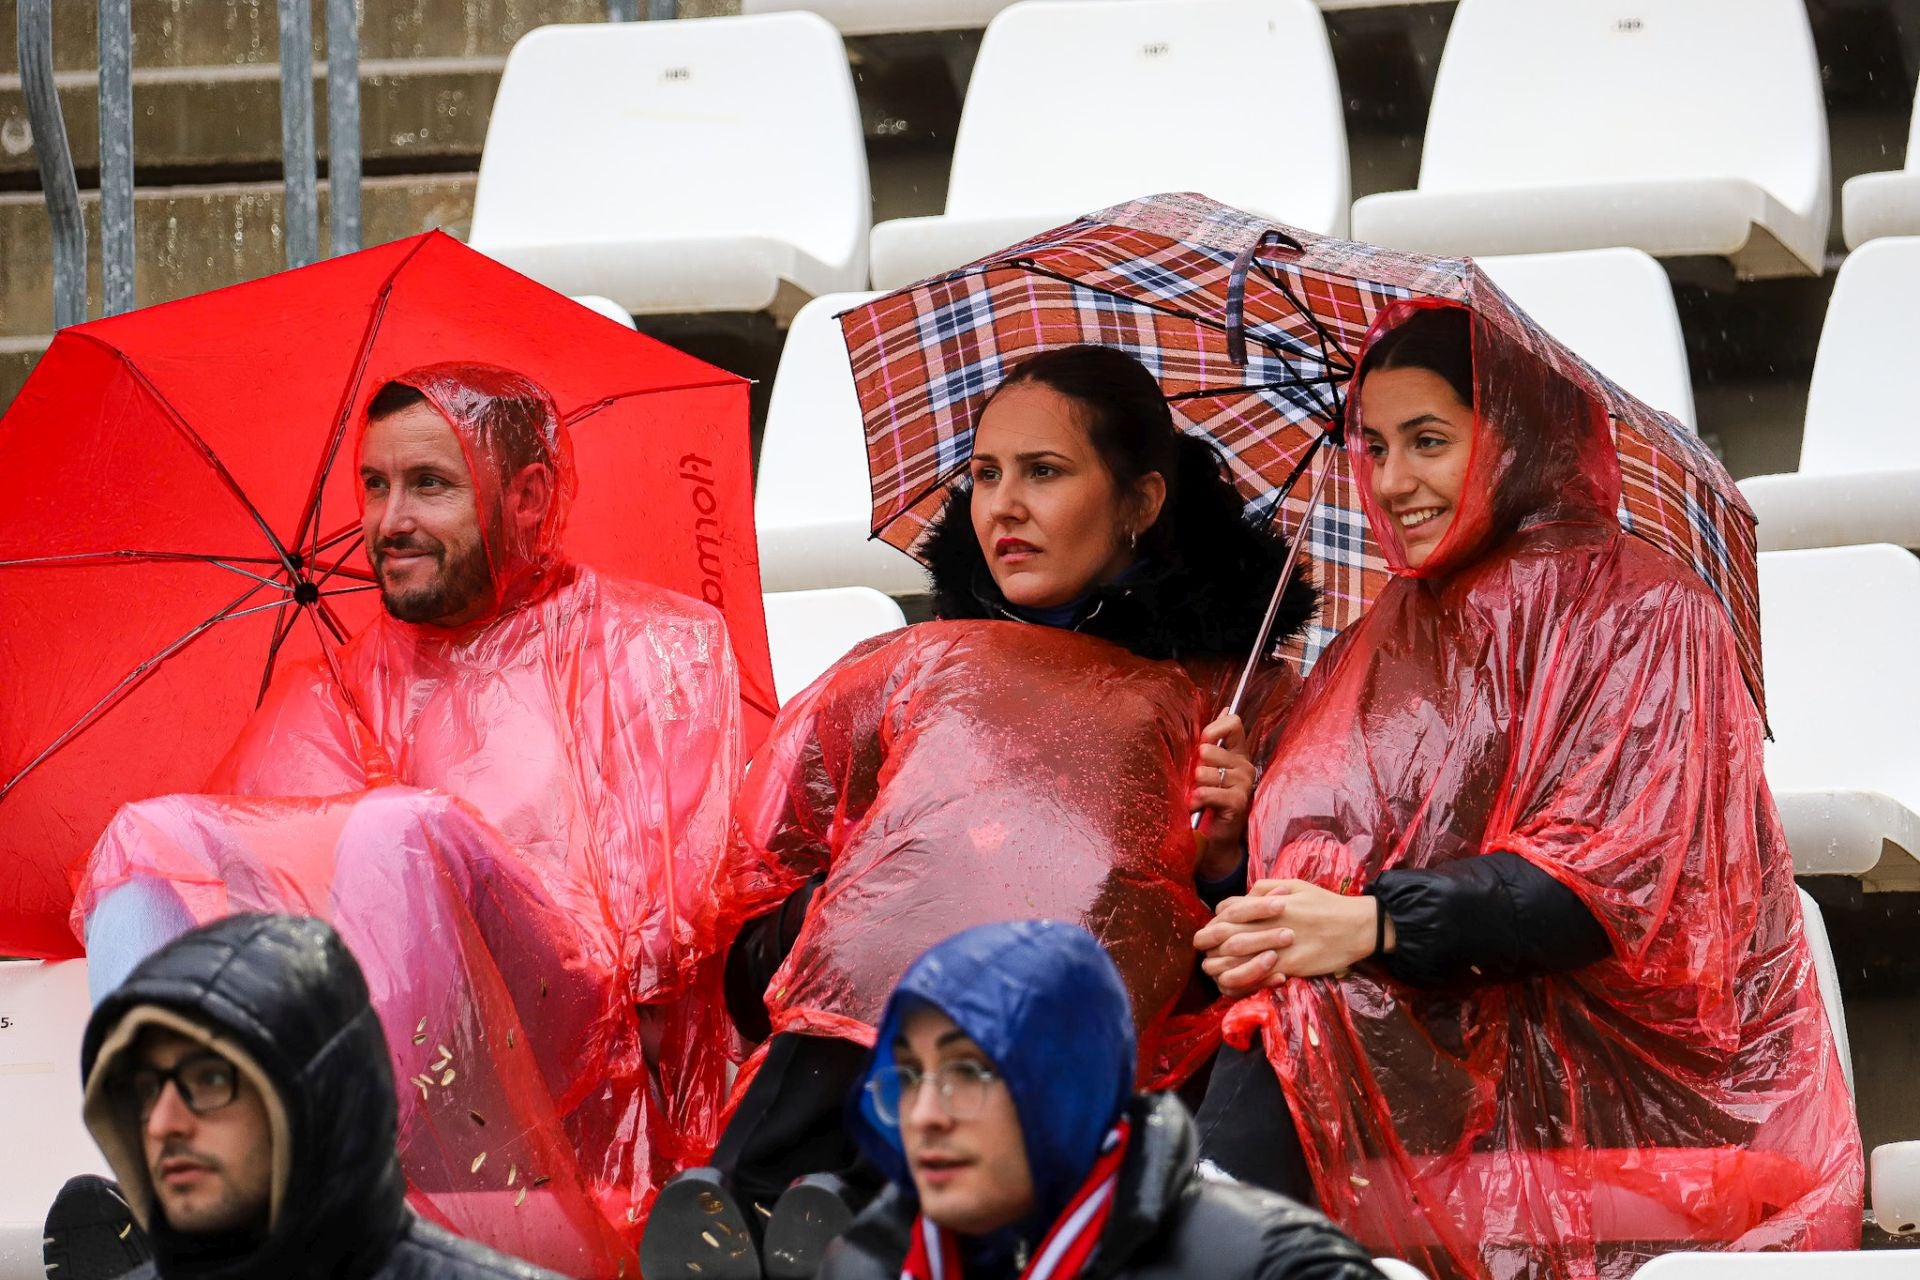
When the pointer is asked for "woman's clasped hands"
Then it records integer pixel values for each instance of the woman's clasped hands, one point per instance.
(1289, 929)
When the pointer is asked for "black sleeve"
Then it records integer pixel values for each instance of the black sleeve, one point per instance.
(1231, 885)
(1492, 918)
(757, 952)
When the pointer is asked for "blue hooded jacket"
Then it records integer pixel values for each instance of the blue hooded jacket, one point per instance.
(1045, 1003)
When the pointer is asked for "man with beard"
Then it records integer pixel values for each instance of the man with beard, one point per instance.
(510, 794)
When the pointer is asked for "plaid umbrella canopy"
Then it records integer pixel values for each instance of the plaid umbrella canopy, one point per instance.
(1250, 328)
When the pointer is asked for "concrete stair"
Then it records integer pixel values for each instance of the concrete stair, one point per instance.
(208, 211)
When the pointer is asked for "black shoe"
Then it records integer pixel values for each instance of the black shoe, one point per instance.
(809, 1215)
(90, 1233)
(696, 1229)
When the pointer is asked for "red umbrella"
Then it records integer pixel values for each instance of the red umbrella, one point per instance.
(176, 516)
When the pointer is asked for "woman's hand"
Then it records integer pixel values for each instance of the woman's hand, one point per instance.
(1223, 792)
(1287, 929)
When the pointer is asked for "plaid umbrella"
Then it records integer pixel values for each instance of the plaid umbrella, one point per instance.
(1249, 327)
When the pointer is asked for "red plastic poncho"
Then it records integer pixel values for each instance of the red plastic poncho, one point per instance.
(580, 744)
(1549, 686)
(963, 772)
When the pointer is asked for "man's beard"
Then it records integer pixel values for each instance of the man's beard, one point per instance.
(457, 584)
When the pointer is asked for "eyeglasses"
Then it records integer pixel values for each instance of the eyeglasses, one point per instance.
(205, 1081)
(961, 1088)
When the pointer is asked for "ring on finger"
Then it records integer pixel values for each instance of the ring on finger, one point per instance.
(1223, 775)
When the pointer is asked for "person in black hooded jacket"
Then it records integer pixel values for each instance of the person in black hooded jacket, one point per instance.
(999, 1100)
(281, 1002)
(1036, 749)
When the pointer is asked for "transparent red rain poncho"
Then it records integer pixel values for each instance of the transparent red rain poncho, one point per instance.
(515, 825)
(1549, 686)
(963, 772)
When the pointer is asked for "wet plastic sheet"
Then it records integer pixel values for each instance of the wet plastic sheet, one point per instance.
(961, 773)
(1547, 686)
(581, 749)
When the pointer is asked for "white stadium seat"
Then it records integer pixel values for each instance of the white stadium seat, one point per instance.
(43, 1013)
(889, 17)
(1884, 204)
(1828, 975)
(1075, 105)
(1686, 128)
(1838, 628)
(809, 631)
(1886, 1264)
(812, 503)
(1613, 308)
(606, 307)
(712, 164)
(1394, 1269)
(1859, 477)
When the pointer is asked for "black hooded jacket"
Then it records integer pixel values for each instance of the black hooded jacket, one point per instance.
(285, 997)
(1202, 600)
(1167, 1222)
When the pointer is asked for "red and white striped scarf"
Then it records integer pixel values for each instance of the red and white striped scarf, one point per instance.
(1069, 1245)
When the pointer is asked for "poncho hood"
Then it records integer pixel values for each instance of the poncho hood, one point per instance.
(504, 421)
(1542, 451)
(1045, 1003)
(284, 997)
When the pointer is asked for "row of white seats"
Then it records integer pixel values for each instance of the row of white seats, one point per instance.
(899, 17)
(718, 164)
(44, 1007)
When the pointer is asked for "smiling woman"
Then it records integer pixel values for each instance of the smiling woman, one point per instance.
(1416, 411)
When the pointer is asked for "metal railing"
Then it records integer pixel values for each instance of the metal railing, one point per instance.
(299, 158)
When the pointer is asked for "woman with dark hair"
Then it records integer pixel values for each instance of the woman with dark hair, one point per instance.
(1038, 750)
(1527, 992)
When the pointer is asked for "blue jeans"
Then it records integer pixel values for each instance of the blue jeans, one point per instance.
(130, 923)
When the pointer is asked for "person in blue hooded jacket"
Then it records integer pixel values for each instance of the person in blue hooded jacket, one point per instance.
(999, 1102)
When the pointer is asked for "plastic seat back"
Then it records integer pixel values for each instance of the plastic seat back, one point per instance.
(1889, 1264)
(43, 1014)
(1615, 309)
(812, 502)
(1866, 381)
(712, 128)
(1815, 926)
(886, 17)
(1580, 91)
(1839, 627)
(809, 631)
(1078, 104)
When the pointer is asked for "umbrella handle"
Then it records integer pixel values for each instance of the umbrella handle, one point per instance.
(1295, 543)
(1237, 291)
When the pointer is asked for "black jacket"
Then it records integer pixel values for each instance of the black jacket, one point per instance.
(1167, 1222)
(1205, 599)
(287, 993)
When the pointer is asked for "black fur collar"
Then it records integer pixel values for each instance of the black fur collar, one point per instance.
(1206, 600)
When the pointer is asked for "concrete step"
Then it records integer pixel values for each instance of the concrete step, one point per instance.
(418, 109)
(201, 33)
(191, 239)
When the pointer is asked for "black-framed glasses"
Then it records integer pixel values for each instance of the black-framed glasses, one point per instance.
(205, 1082)
(961, 1087)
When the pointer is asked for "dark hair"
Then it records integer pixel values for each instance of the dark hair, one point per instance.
(514, 426)
(1437, 339)
(392, 398)
(1133, 432)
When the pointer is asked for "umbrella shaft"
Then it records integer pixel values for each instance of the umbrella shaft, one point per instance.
(1298, 541)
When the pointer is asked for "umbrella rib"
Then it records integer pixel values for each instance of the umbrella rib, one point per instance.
(140, 557)
(281, 630)
(339, 566)
(126, 685)
(205, 450)
(1276, 349)
(310, 514)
